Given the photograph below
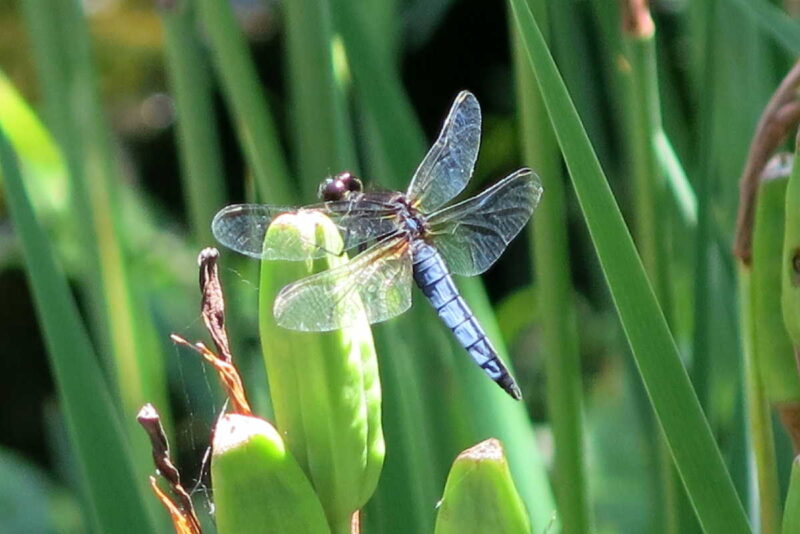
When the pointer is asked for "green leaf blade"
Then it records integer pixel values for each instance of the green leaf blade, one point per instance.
(258, 134)
(557, 319)
(199, 144)
(323, 136)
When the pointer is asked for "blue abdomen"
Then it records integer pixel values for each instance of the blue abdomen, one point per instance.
(433, 278)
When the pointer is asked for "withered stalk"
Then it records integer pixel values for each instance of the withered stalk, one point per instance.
(212, 308)
(184, 518)
(780, 116)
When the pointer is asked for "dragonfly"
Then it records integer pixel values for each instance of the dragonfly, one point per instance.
(401, 238)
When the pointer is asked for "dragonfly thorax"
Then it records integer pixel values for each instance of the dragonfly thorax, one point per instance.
(410, 218)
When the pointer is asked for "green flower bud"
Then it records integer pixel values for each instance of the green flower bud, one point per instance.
(324, 386)
(772, 348)
(790, 267)
(258, 485)
(480, 496)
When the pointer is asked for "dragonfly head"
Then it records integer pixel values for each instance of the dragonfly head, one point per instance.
(338, 186)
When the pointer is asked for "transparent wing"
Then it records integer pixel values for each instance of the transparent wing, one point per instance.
(447, 167)
(472, 234)
(376, 283)
(242, 227)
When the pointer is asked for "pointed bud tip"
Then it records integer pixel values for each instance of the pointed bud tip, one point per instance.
(490, 449)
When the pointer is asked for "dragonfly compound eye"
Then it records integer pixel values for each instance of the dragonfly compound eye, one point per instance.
(337, 187)
(350, 182)
(331, 189)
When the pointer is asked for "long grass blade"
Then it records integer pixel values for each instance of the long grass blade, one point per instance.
(324, 140)
(106, 464)
(257, 132)
(773, 21)
(192, 87)
(37, 151)
(52, 64)
(692, 445)
(569, 36)
(556, 297)
(643, 127)
(378, 85)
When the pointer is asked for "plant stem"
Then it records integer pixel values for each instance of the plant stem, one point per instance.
(760, 422)
(643, 129)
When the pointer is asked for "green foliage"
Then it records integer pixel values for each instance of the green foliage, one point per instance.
(246, 100)
(324, 139)
(327, 86)
(92, 419)
(32, 502)
(61, 41)
(676, 406)
(36, 150)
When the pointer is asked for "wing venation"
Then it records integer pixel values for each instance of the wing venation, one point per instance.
(448, 166)
(243, 227)
(472, 234)
(376, 284)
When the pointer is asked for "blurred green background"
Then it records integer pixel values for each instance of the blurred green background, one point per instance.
(103, 77)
